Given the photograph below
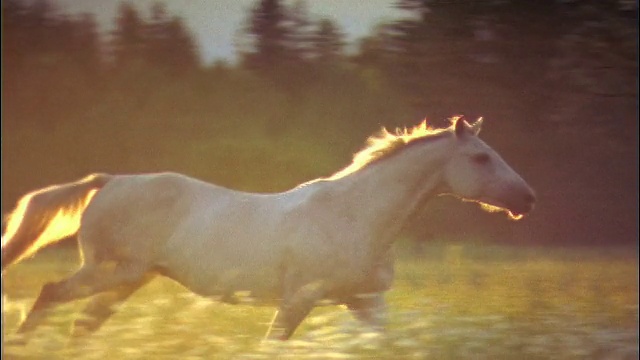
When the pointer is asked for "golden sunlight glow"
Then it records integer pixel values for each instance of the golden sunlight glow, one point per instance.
(493, 208)
(515, 216)
(490, 208)
(384, 143)
(65, 222)
(15, 218)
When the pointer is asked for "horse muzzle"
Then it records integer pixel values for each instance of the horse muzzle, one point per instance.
(522, 205)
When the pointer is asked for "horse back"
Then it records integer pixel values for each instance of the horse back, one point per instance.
(133, 215)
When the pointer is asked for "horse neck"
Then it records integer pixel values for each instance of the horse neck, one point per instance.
(386, 193)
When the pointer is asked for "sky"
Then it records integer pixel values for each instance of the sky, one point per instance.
(215, 23)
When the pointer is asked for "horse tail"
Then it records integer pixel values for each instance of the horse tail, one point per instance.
(48, 215)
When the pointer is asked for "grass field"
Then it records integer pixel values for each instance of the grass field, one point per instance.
(452, 302)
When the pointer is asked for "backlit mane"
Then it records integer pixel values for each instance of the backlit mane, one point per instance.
(385, 143)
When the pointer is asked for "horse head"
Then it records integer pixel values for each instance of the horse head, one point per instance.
(475, 172)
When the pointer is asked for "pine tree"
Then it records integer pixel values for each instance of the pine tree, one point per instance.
(300, 31)
(269, 34)
(328, 42)
(168, 43)
(128, 45)
(184, 53)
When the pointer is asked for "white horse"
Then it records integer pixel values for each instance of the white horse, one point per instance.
(325, 240)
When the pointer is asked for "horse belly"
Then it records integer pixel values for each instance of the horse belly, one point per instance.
(233, 284)
(225, 266)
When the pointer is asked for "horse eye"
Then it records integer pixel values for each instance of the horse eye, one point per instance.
(482, 158)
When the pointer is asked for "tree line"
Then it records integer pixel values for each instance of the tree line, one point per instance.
(555, 80)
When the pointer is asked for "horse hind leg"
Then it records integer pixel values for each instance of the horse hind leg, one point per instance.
(89, 280)
(102, 306)
(370, 309)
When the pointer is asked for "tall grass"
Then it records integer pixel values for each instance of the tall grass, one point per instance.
(452, 302)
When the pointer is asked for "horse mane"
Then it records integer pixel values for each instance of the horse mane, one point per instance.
(384, 144)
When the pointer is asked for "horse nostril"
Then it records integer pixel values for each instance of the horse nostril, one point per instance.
(530, 198)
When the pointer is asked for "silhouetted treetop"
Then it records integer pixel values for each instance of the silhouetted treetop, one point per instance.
(269, 34)
(162, 42)
(328, 42)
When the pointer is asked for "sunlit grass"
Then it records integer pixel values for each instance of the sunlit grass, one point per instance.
(456, 301)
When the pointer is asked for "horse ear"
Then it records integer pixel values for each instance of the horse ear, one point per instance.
(460, 126)
(476, 126)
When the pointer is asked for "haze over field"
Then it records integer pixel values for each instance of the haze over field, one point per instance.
(215, 24)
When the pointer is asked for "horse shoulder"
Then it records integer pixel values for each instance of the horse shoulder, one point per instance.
(327, 241)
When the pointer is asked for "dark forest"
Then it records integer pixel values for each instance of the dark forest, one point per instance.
(556, 83)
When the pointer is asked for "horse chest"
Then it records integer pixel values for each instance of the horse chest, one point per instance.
(347, 270)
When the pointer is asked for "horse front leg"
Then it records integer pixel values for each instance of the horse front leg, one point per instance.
(293, 309)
